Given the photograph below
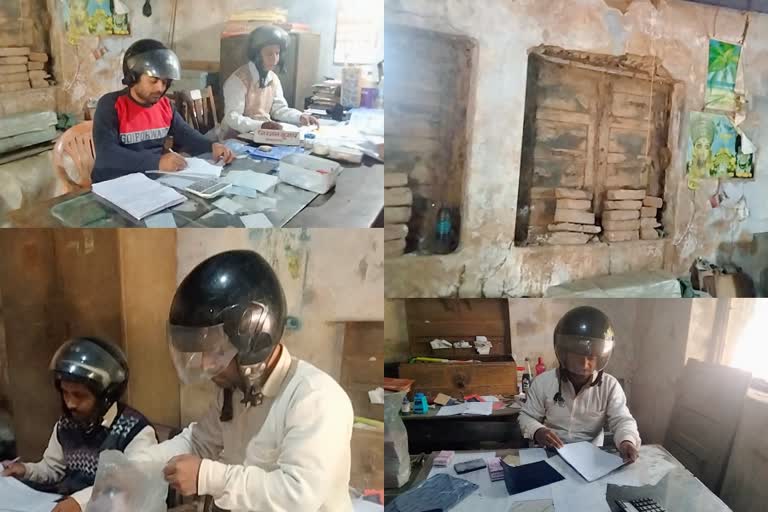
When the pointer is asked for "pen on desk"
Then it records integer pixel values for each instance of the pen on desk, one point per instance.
(7, 463)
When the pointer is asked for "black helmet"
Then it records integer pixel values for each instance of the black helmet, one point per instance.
(229, 305)
(585, 331)
(266, 35)
(98, 364)
(150, 57)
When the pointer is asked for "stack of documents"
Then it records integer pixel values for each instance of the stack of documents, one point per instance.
(199, 168)
(138, 195)
(443, 459)
(495, 470)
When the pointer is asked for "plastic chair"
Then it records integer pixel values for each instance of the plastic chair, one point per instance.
(77, 144)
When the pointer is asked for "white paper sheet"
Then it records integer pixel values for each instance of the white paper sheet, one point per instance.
(451, 410)
(199, 167)
(228, 205)
(589, 461)
(479, 408)
(242, 191)
(489, 398)
(649, 468)
(160, 220)
(251, 179)
(529, 455)
(574, 494)
(257, 220)
(138, 195)
(17, 497)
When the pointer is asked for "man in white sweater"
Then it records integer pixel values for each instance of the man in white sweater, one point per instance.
(253, 94)
(574, 402)
(277, 437)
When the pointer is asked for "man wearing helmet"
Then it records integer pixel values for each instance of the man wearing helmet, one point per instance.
(130, 126)
(91, 376)
(277, 437)
(253, 95)
(574, 402)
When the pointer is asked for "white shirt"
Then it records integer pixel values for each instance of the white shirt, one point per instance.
(295, 458)
(583, 416)
(234, 103)
(51, 468)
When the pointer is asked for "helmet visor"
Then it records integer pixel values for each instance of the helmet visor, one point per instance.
(163, 64)
(582, 355)
(199, 353)
(87, 361)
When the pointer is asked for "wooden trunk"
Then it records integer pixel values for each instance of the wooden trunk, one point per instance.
(459, 379)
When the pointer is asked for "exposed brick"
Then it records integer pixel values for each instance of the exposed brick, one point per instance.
(649, 234)
(648, 211)
(621, 215)
(394, 248)
(575, 216)
(573, 193)
(576, 228)
(395, 179)
(395, 231)
(621, 236)
(625, 194)
(621, 225)
(574, 204)
(655, 202)
(400, 196)
(649, 222)
(623, 205)
(397, 214)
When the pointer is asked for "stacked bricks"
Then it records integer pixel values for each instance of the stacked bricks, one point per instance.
(574, 222)
(398, 200)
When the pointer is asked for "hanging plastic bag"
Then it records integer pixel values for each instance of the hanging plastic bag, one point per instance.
(397, 461)
(123, 485)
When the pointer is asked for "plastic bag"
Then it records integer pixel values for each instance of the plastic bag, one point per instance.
(123, 485)
(397, 461)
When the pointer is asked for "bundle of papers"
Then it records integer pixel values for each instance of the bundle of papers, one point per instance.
(495, 470)
(444, 458)
(138, 195)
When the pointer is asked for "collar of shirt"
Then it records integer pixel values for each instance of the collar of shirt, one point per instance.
(276, 378)
(110, 416)
(256, 75)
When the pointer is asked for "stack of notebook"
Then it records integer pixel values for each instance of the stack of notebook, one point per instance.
(495, 470)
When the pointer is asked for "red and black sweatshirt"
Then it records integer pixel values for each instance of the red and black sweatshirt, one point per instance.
(128, 137)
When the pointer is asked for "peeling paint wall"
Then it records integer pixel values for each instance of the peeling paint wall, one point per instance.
(84, 74)
(677, 33)
(328, 277)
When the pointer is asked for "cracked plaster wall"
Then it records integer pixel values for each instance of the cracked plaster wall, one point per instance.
(486, 263)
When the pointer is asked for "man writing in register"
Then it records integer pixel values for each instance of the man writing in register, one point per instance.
(573, 402)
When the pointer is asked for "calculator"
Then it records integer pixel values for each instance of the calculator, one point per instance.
(640, 505)
(208, 188)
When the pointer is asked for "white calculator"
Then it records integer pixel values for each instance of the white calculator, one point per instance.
(208, 188)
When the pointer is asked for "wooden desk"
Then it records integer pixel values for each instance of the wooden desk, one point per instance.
(678, 490)
(357, 201)
(429, 432)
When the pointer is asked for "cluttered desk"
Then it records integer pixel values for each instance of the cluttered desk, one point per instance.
(581, 477)
(268, 185)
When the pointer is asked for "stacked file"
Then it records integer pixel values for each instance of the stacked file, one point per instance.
(495, 470)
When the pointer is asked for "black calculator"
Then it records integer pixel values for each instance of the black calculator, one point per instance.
(640, 505)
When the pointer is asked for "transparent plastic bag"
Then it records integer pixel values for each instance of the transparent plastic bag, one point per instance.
(397, 461)
(123, 485)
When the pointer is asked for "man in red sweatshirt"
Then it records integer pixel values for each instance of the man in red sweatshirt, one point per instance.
(130, 125)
